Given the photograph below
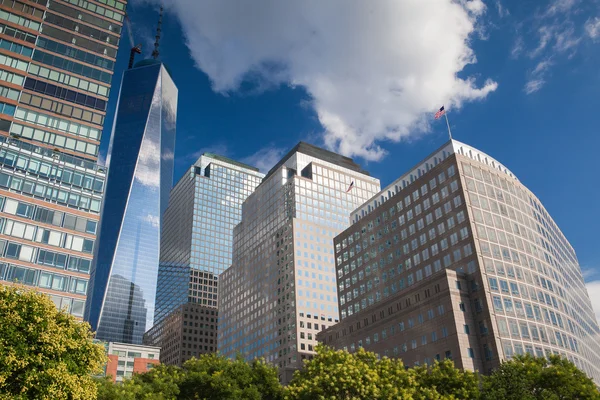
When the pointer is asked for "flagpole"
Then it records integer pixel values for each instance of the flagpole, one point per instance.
(448, 124)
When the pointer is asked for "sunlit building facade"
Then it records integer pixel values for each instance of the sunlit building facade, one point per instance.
(280, 289)
(56, 67)
(204, 207)
(458, 259)
(122, 289)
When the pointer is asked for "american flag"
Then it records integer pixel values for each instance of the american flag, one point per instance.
(440, 113)
(350, 187)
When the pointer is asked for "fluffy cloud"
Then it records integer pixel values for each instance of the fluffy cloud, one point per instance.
(374, 70)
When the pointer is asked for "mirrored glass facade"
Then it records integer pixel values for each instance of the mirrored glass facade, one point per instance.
(197, 236)
(140, 161)
(196, 241)
(458, 259)
(56, 65)
(282, 277)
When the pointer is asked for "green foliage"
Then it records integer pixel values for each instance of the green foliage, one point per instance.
(44, 353)
(340, 375)
(443, 380)
(209, 377)
(532, 378)
(215, 377)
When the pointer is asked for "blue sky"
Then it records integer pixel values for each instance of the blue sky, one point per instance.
(520, 79)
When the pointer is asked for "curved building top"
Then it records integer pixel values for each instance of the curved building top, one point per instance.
(449, 148)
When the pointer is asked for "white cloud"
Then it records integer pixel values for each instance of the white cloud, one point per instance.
(592, 28)
(534, 85)
(593, 289)
(375, 70)
(502, 11)
(265, 158)
(518, 47)
(555, 36)
(542, 66)
(561, 6)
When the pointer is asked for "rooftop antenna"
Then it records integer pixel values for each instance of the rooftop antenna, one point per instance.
(155, 51)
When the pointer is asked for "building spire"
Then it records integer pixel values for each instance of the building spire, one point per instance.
(155, 51)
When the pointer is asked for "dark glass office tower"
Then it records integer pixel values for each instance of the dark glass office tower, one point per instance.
(56, 67)
(140, 175)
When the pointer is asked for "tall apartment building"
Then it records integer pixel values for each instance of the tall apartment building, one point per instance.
(280, 289)
(140, 158)
(196, 239)
(458, 259)
(56, 65)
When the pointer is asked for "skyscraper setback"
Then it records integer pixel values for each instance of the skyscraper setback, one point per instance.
(56, 67)
(280, 289)
(458, 259)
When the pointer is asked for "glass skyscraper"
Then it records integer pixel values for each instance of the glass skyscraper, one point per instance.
(459, 259)
(204, 207)
(56, 66)
(282, 277)
(122, 288)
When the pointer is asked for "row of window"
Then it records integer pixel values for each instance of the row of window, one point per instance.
(13, 62)
(48, 216)
(17, 33)
(18, 251)
(85, 17)
(22, 21)
(8, 92)
(101, 10)
(68, 80)
(69, 37)
(65, 94)
(60, 108)
(58, 124)
(49, 192)
(16, 48)
(11, 77)
(72, 52)
(42, 279)
(46, 236)
(71, 66)
(85, 30)
(54, 139)
(56, 172)
(23, 7)
(529, 331)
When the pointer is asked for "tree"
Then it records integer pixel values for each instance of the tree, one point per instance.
(208, 377)
(212, 376)
(537, 378)
(45, 353)
(338, 374)
(444, 380)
